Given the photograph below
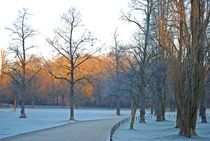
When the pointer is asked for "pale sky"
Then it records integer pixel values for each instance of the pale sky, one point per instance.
(101, 17)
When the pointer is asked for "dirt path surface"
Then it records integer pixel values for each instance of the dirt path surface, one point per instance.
(97, 130)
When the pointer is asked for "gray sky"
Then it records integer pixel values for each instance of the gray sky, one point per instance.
(101, 17)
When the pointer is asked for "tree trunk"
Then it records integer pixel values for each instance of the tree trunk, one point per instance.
(156, 107)
(163, 104)
(63, 101)
(163, 112)
(111, 102)
(187, 110)
(189, 105)
(159, 107)
(142, 115)
(133, 113)
(71, 101)
(118, 105)
(57, 100)
(159, 117)
(152, 109)
(15, 104)
(187, 125)
(22, 111)
(178, 114)
(202, 113)
(142, 110)
(33, 101)
(153, 103)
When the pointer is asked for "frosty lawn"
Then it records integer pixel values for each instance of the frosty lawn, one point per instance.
(160, 131)
(11, 124)
(41, 118)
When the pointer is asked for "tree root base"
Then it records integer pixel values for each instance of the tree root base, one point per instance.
(23, 116)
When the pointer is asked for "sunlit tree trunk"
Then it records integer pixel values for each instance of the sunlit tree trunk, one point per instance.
(71, 102)
(71, 95)
(133, 112)
(186, 56)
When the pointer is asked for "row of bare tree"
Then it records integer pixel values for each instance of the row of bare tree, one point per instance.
(171, 44)
(169, 54)
(71, 42)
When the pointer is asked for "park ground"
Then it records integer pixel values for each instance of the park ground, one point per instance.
(42, 118)
(52, 123)
(160, 131)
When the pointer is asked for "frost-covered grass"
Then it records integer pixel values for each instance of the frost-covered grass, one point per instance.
(160, 131)
(41, 118)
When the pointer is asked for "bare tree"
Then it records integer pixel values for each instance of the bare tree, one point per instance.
(21, 32)
(183, 38)
(117, 63)
(114, 72)
(204, 98)
(159, 88)
(73, 45)
(141, 51)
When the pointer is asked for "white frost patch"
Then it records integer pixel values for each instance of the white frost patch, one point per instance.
(42, 118)
(11, 124)
(160, 131)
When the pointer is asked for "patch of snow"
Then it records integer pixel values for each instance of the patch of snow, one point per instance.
(160, 131)
(42, 118)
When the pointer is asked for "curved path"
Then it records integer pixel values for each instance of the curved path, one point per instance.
(97, 130)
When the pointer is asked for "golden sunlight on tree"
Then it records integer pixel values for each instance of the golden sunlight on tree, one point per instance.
(76, 74)
(88, 90)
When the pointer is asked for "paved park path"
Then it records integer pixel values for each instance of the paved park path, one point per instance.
(97, 130)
